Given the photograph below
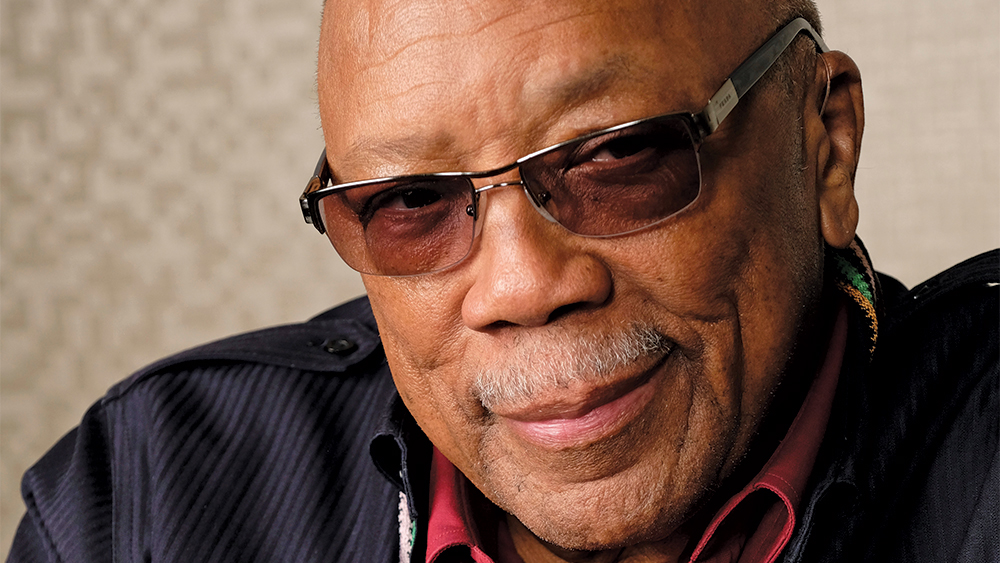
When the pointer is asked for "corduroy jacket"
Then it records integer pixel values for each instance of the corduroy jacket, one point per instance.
(291, 444)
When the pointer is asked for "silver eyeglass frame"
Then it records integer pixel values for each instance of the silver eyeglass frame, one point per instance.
(702, 124)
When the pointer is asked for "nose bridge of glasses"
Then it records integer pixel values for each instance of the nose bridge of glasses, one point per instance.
(533, 199)
(494, 185)
(509, 176)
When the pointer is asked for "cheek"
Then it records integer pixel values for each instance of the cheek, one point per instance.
(695, 271)
(418, 320)
(419, 326)
(741, 269)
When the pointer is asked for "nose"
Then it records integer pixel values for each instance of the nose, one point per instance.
(528, 271)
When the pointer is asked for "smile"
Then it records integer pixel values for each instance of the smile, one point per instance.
(604, 413)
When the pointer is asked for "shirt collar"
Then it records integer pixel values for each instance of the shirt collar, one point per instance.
(786, 473)
(461, 519)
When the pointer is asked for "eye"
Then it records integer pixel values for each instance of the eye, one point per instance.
(618, 153)
(638, 149)
(408, 198)
(622, 147)
(401, 198)
(632, 146)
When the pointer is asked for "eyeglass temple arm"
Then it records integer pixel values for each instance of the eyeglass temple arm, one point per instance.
(748, 73)
(318, 181)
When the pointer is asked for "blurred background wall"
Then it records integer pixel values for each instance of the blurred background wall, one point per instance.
(151, 154)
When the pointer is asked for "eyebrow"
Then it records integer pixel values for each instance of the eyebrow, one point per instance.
(396, 150)
(590, 83)
(561, 95)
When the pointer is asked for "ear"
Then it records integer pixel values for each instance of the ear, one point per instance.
(835, 137)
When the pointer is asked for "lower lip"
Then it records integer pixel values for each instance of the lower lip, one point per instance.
(600, 422)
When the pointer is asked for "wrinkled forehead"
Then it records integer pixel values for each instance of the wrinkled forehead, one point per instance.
(374, 30)
(389, 69)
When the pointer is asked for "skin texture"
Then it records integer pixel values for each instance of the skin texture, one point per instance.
(733, 282)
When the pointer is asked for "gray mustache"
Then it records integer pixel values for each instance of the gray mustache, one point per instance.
(538, 367)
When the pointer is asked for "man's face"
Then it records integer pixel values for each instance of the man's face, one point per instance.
(595, 388)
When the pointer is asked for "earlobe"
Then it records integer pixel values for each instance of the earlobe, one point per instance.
(840, 118)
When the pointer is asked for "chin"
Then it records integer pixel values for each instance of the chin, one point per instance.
(601, 533)
(604, 539)
(614, 512)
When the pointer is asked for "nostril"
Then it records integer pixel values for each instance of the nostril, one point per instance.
(501, 325)
(566, 310)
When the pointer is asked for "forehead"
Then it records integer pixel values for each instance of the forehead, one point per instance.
(406, 79)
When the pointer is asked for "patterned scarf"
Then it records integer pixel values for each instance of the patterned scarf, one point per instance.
(850, 270)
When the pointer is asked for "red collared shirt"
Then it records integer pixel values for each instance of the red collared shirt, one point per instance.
(771, 498)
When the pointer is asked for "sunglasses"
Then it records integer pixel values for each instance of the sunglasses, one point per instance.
(605, 183)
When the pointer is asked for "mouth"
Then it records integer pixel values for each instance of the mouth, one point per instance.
(578, 417)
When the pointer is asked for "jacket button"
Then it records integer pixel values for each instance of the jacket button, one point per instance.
(339, 346)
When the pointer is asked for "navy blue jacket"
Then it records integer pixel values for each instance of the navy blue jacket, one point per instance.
(291, 444)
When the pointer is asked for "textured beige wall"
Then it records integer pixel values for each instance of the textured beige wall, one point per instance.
(152, 154)
(929, 178)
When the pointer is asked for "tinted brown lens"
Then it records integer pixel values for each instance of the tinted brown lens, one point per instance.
(618, 182)
(401, 228)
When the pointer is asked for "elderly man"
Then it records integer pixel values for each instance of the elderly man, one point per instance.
(653, 338)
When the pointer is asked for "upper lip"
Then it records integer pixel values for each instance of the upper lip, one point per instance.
(579, 399)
